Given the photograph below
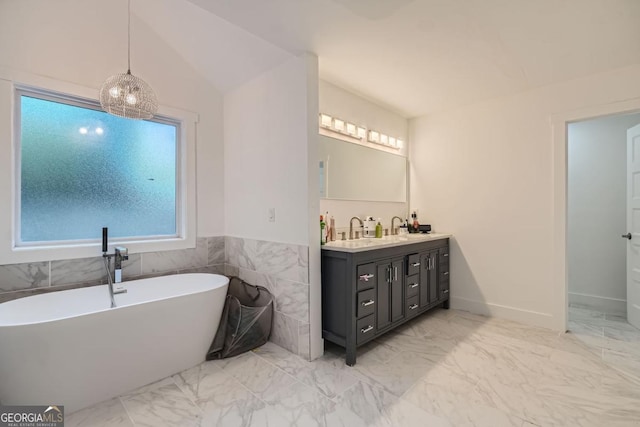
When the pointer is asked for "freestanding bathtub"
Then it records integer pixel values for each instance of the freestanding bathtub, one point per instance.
(70, 348)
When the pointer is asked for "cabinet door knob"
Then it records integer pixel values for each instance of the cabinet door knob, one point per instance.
(367, 303)
(445, 255)
(446, 273)
(627, 236)
(446, 291)
(413, 306)
(366, 277)
(367, 329)
(415, 264)
(413, 285)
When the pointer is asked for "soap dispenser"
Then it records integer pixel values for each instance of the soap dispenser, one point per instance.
(379, 229)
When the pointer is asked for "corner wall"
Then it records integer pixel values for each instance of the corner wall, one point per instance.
(485, 173)
(267, 152)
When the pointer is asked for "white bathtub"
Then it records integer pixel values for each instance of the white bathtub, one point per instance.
(70, 348)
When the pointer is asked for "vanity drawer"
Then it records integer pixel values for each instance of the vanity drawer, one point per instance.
(366, 303)
(413, 264)
(413, 285)
(412, 306)
(366, 276)
(365, 329)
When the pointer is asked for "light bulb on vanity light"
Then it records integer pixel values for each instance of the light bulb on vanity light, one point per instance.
(374, 136)
(399, 143)
(362, 133)
(351, 129)
(325, 120)
(338, 125)
(392, 142)
(384, 139)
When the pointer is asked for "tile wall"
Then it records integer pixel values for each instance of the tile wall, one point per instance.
(282, 268)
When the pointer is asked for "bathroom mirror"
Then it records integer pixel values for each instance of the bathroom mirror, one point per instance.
(354, 172)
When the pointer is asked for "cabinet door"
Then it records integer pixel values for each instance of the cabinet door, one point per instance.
(425, 262)
(433, 277)
(428, 278)
(383, 296)
(397, 291)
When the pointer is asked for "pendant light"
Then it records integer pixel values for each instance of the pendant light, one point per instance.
(126, 95)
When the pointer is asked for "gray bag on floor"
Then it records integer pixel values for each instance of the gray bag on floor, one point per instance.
(246, 320)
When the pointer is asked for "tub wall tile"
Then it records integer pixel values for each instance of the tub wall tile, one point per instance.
(154, 262)
(285, 332)
(284, 270)
(211, 269)
(231, 270)
(216, 250)
(15, 277)
(292, 299)
(82, 270)
(304, 349)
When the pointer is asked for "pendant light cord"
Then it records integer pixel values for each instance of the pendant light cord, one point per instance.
(129, 38)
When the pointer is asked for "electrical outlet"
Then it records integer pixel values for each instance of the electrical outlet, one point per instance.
(272, 214)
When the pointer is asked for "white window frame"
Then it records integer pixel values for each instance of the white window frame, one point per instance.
(10, 250)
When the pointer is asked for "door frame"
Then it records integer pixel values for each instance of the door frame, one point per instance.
(559, 126)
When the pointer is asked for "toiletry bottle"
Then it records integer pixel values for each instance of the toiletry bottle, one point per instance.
(332, 224)
(416, 224)
(379, 229)
(327, 227)
(323, 232)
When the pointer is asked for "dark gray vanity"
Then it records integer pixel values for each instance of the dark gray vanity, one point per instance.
(371, 286)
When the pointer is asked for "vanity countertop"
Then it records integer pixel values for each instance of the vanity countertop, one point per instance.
(367, 244)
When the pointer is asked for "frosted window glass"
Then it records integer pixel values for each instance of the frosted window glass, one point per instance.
(83, 169)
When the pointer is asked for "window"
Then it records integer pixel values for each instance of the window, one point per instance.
(81, 169)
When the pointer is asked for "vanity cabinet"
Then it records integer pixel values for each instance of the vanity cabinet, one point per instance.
(366, 293)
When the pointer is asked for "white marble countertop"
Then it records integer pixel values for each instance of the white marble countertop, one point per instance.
(367, 244)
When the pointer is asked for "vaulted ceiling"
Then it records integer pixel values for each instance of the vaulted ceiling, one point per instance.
(413, 56)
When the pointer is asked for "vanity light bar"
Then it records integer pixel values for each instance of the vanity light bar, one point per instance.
(352, 130)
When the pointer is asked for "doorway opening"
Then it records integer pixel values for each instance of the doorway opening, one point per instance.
(600, 216)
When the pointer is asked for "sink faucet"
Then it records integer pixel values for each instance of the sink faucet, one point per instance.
(120, 254)
(393, 229)
(351, 226)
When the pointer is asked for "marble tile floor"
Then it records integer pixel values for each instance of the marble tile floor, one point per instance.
(445, 368)
(610, 337)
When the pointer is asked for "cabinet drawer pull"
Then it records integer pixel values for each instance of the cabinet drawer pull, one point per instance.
(413, 306)
(367, 303)
(446, 291)
(413, 285)
(366, 277)
(446, 273)
(445, 255)
(367, 329)
(415, 264)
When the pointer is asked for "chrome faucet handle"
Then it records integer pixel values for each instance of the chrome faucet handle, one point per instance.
(122, 252)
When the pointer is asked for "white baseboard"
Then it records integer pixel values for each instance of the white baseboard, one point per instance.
(544, 320)
(597, 303)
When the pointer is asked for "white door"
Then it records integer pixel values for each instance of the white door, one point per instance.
(633, 226)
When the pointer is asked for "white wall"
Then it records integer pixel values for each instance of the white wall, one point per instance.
(597, 185)
(340, 103)
(83, 42)
(266, 153)
(485, 173)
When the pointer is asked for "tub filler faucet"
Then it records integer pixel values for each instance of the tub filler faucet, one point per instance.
(115, 280)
